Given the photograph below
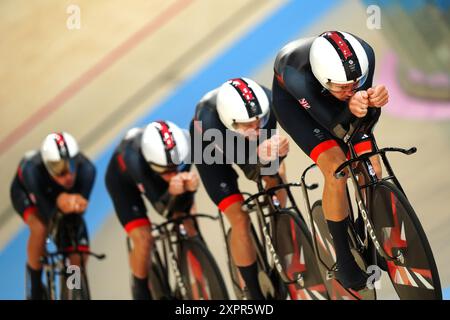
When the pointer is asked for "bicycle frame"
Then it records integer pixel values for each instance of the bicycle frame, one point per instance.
(369, 173)
(252, 203)
(170, 256)
(55, 263)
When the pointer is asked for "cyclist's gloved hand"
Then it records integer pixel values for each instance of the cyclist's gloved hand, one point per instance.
(271, 149)
(71, 203)
(176, 185)
(79, 204)
(359, 103)
(378, 96)
(191, 181)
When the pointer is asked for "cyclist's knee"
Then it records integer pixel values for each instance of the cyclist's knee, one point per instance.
(142, 239)
(328, 162)
(37, 227)
(239, 220)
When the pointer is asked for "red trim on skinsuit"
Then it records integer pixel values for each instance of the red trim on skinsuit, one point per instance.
(79, 248)
(121, 162)
(28, 211)
(322, 147)
(20, 173)
(130, 226)
(361, 147)
(280, 80)
(228, 201)
(197, 126)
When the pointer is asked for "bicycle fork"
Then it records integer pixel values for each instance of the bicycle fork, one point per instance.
(367, 222)
(174, 263)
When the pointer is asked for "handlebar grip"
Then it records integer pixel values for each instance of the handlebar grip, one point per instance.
(100, 256)
(312, 186)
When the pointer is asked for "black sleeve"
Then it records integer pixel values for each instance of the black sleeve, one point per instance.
(19, 196)
(33, 183)
(85, 176)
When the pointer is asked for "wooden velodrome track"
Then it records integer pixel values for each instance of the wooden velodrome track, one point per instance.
(99, 80)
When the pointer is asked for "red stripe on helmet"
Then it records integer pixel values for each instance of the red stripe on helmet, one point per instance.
(166, 135)
(243, 89)
(339, 41)
(62, 145)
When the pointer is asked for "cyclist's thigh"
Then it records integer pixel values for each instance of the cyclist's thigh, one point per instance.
(142, 237)
(127, 200)
(220, 182)
(329, 160)
(21, 202)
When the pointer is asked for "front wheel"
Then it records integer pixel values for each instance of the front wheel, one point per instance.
(157, 278)
(200, 272)
(74, 288)
(294, 248)
(414, 274)
(326, 259)
(272, 287)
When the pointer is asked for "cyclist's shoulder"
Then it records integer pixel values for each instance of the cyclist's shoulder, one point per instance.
(208, 101)
(131, 141)
(31, 161)
(85, 163)
(32, 171)
(295, 53)
(206, 111)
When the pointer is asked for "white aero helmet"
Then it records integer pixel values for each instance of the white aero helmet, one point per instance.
(338, 57)
(242, 100)
(58, 152)
(165, 146)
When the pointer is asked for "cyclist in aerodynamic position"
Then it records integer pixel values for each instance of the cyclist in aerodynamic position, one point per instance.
(150, 162)
(238, 114)
(57, 178)
(321, 84)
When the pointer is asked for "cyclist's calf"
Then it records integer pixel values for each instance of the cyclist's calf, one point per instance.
(242, 248)
(140, 255)
(36, 242)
